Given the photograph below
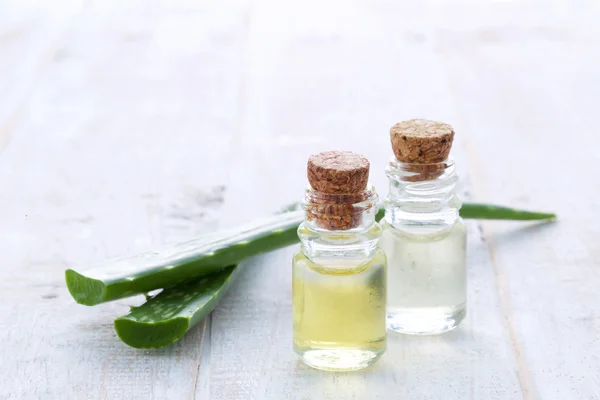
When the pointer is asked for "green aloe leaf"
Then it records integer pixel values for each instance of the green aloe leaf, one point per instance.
(125, 277)
(166, 317)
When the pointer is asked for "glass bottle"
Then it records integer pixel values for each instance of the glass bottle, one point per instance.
(339, 281)
(425, 242)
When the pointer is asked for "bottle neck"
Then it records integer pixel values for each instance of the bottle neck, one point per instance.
(422, 198)
(339, 225)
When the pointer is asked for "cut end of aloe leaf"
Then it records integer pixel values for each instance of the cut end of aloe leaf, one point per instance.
(150, 335)
(86, 291)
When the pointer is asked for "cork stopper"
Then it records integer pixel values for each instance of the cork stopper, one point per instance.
(341, 172)
(421, 141)
(339, 180)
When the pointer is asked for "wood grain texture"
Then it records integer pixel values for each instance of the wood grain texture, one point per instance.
(125, 125)
(110, 156)
(543, 108)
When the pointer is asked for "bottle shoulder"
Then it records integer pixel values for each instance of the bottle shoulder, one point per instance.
(424, 232)
(340, 265)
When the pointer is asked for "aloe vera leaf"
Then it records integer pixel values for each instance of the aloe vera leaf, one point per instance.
(166, 317)
(488, 211)
(133, 275)
(128, 276)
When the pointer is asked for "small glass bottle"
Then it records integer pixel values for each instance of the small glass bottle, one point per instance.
(423, 235)
(339, 273)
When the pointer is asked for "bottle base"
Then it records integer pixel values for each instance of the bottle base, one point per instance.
(338, 359)
(425, 321)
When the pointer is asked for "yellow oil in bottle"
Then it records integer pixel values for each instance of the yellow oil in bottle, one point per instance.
(339, 311)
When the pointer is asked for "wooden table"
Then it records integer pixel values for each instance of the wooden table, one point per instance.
(127, 125)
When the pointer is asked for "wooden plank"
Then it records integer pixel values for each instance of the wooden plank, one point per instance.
(123, 146)
(528, 106)
(28, 37)
(339, 80)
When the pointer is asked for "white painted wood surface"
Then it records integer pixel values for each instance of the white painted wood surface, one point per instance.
(125, 125)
